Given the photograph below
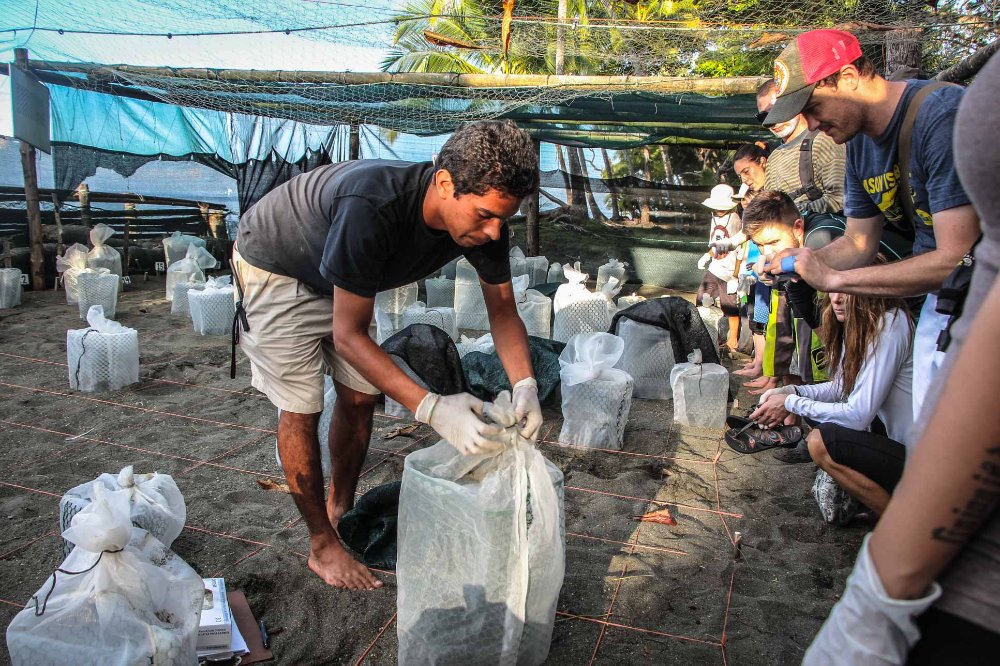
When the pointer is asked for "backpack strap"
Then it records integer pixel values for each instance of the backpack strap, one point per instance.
(904, 193)
(807, 175)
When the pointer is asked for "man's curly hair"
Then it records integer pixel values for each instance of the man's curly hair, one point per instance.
(491, 155)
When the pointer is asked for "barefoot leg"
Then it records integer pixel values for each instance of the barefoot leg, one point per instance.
(350, 434)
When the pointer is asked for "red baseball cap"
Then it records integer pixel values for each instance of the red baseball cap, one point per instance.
(810, 58)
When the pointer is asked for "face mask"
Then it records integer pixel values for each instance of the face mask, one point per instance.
(787, 131)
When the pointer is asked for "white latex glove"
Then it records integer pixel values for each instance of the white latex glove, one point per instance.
(788, 389)
(703, 262)
(867, 626)
(732, 284)
(458, 419)
(723, 245)
(527, 409)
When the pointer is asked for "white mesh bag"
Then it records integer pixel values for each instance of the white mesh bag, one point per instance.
(701, 391)
(538, 270)
(99, 287)
(555, 274)
(470, 306)
(175, 246)
(394, 301)
(180, 304)
(518, 263)
(393, 408)
(534, 308)
(387, 324)
(103, 255)
(626, 302)
(10, 287)
(596, 397)
(483, 344)
(578, 310)
(711, 316)
(648, 358)
(440, 292)
(157, 505)
(213, 308)
(134, 601)
(71, 264)
(612, 269)
(191, 268)
(481, 554)
(322, 428)
(103, 356)
(443, 318)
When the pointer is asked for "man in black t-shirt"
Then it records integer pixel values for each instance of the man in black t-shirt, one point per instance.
(309, 258)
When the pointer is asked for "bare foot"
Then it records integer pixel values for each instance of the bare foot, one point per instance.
(750, 371)
(334, 512)
(758, 386)
(329, 561)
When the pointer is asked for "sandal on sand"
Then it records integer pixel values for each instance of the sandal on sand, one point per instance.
(751, 438)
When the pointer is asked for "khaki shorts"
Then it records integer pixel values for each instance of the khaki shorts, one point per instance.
(290, 341)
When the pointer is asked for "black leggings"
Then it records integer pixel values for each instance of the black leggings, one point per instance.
(948, 639)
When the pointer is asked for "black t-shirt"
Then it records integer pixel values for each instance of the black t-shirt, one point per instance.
(359, 226)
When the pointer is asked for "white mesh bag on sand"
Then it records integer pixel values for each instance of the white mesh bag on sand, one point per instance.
(99, 287)
(440, 292)
(482, 344)
(10, 287)
(596, 397)
(481, 554)
(700, 392)
(191, 268)
(612, 269)
(518, 263)
(626, 302)
(555, 273)
(648, 358)
(394, 301)
(538, 270)
(835, 504)
(711, 316)
(387, 324)
(322, 428)
(71, 264)
(176, 245)
(103, 255)
(212, 308)
(396, 409)
(103, 356)
(157, 505)
(470, 306)
(180, 304)
(127, 599)
(534, 307)
(443, 318)
(578, 310)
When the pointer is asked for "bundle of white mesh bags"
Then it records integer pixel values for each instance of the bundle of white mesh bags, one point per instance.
(596, 397)
(176, 245)
(103, 255)
(482, 344)
(322, 428)
(71, 264)
(189, 269)
(98, 287)
(441, 317)
(10, 287)
(534, 307)
(701, 392)
(212, 307)
(104, 356)
(470, 306)
(648, 357)
(613, 269)
(579, 310)
(129, 599)
(440, 292)
(481, 552)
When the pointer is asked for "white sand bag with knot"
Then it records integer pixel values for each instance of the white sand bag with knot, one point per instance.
(440, 292)
(648, 357)
(212, 307)
(71, 264)
(103, 255)
(596, 397)
(443, 318)
(578, 310)
(175, 246)
(535, 308)
(98, 286)
(470, 305)
(701, 392)
(612, 269)
(10, 287)
(104, 356)
(191, 268)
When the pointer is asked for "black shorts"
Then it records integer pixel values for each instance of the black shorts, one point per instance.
(715, 287)
(949, 639)
(876, 456)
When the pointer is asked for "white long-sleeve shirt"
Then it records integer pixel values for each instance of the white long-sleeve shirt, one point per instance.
(883, 387)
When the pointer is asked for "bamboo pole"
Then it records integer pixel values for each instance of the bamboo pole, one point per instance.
(31, 197)
(531, 231)
(83, 194)
(59, 230)
(355, 141)
(127, 250)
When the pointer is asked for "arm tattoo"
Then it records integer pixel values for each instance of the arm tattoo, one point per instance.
(980, 505)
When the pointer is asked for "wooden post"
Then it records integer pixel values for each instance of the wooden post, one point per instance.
(355, 144)
(31, 198)
(83, 194)
(6, 253)
(59, 233)
(531, 232)
(126, 250)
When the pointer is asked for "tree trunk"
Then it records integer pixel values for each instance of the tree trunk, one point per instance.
(561, 12)
(668, 173)
(578, 200)
(903, 50)
(616, 214)
(644, 219)
(531, 221)
(567, 177)
(595, 210)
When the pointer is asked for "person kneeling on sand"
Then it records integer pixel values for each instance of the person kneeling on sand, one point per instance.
(869, 343)
(309, 259)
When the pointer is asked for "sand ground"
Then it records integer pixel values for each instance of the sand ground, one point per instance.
(633, 593)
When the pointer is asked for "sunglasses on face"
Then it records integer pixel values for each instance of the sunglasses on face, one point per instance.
(761, 115)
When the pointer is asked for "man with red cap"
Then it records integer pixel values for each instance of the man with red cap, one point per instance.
(823, 75)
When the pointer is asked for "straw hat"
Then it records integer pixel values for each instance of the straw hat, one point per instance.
(721, 198)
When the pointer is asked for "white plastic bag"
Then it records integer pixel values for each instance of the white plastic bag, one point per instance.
(103, 255)
(596, 397)
(98, 287)
(534, 308)
(625, 302)
(470, 305)
(10, 287)
(322, 428)
(71, 264)
(538, 269)
(104, 356)
(132, 601)
(701, 391)
(711, 316)
(578, 310)
(835, 504)
(394, 301)
(440, 292)
(518, 263)
(191, 267)
(176, 246)
(156, 503)
(443, 318)
(481, 554)
(612, 269)
(648, 357)
(483, 344)
(180, 304)
(555, 273)
(212, 307)
(387, 324)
